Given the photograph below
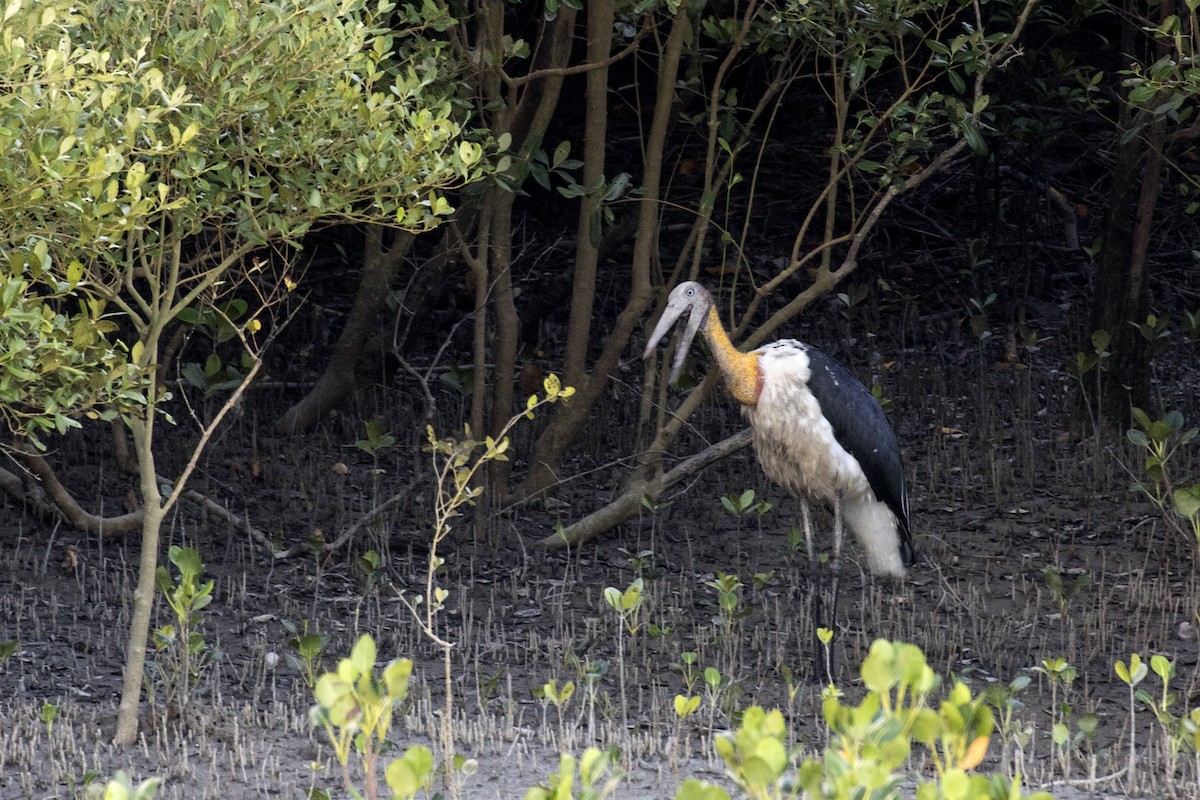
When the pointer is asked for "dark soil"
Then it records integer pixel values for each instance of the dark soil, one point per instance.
(1001, 494)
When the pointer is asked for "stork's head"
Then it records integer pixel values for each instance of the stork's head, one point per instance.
(685, 296)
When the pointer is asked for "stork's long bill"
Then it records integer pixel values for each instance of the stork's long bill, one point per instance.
(741, 370)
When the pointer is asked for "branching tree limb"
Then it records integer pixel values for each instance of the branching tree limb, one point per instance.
(72, 512)
(629, 503)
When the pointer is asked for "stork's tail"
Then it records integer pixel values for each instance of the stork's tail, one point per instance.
(887, 545)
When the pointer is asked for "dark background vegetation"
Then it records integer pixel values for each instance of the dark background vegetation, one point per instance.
(972, 301)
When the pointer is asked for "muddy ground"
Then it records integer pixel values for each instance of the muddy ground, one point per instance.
(1000, 494)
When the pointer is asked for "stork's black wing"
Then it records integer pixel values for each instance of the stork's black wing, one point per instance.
(863, 431)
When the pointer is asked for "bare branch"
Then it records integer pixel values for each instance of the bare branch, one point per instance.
(72, 512)
(629, 503)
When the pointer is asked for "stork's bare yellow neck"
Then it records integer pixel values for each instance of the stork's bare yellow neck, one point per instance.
(741, 370)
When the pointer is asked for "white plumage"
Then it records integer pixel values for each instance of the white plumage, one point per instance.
(818, 433)
(797, 448)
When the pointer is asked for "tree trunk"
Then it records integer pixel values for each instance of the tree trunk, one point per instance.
(380, 268)
(505, 343)
(1120, 291)
(527, 121)
(481, 274)
(583, 290)
(569, 418)
(143, 595)
(66, 504)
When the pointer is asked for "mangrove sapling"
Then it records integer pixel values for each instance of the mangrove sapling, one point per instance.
(1161, 439)
(48, 714)
(307, 648)
(685, 706)
(1065, 591)
(792, 684)
(628, 606)
(373, 444)
(591, 675)
(825, 639)
(183, 651)
(1061, 675)
(8, 649)
(355, 708)
(597, 778)
(873, 740)
(729, 611)
(1131, 675)
(376, 441)
(1175, 732)
(741, 506)
(455, 465)
(1005, 700)
(549, 693)
(641, 563)
(688, 670)
(869, 744)
(121, 788)
(370, 565)
(1094, 362)
(714, 682)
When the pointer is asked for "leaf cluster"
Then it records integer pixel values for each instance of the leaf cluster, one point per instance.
(353, 705)
(1182, 731)
(160, 143)
(593, 771)
(871, 741)
(355, 708)
(184, 651)
(56, 360)
(1161, 439)
(121, 788)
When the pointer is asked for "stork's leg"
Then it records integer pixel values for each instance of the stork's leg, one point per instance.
(835, 568)
(816, 596)
(808, 534)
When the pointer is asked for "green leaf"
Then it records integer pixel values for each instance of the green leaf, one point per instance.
(694, 789)
(408, 774)
(560, 153)
(1163, 667)
(187, 560)
(1137, 437)
(684, 706)
(362, 657)
(1187, 502)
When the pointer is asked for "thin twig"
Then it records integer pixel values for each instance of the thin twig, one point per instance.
(369, 517)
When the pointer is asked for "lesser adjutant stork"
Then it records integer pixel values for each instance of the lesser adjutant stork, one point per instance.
(817, 431)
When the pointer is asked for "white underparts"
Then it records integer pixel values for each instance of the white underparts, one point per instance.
(797, 449)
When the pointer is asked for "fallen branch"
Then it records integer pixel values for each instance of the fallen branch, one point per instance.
(629, 502)
(74, 514)
(62, 504)
(369, 517)
(215, 508)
